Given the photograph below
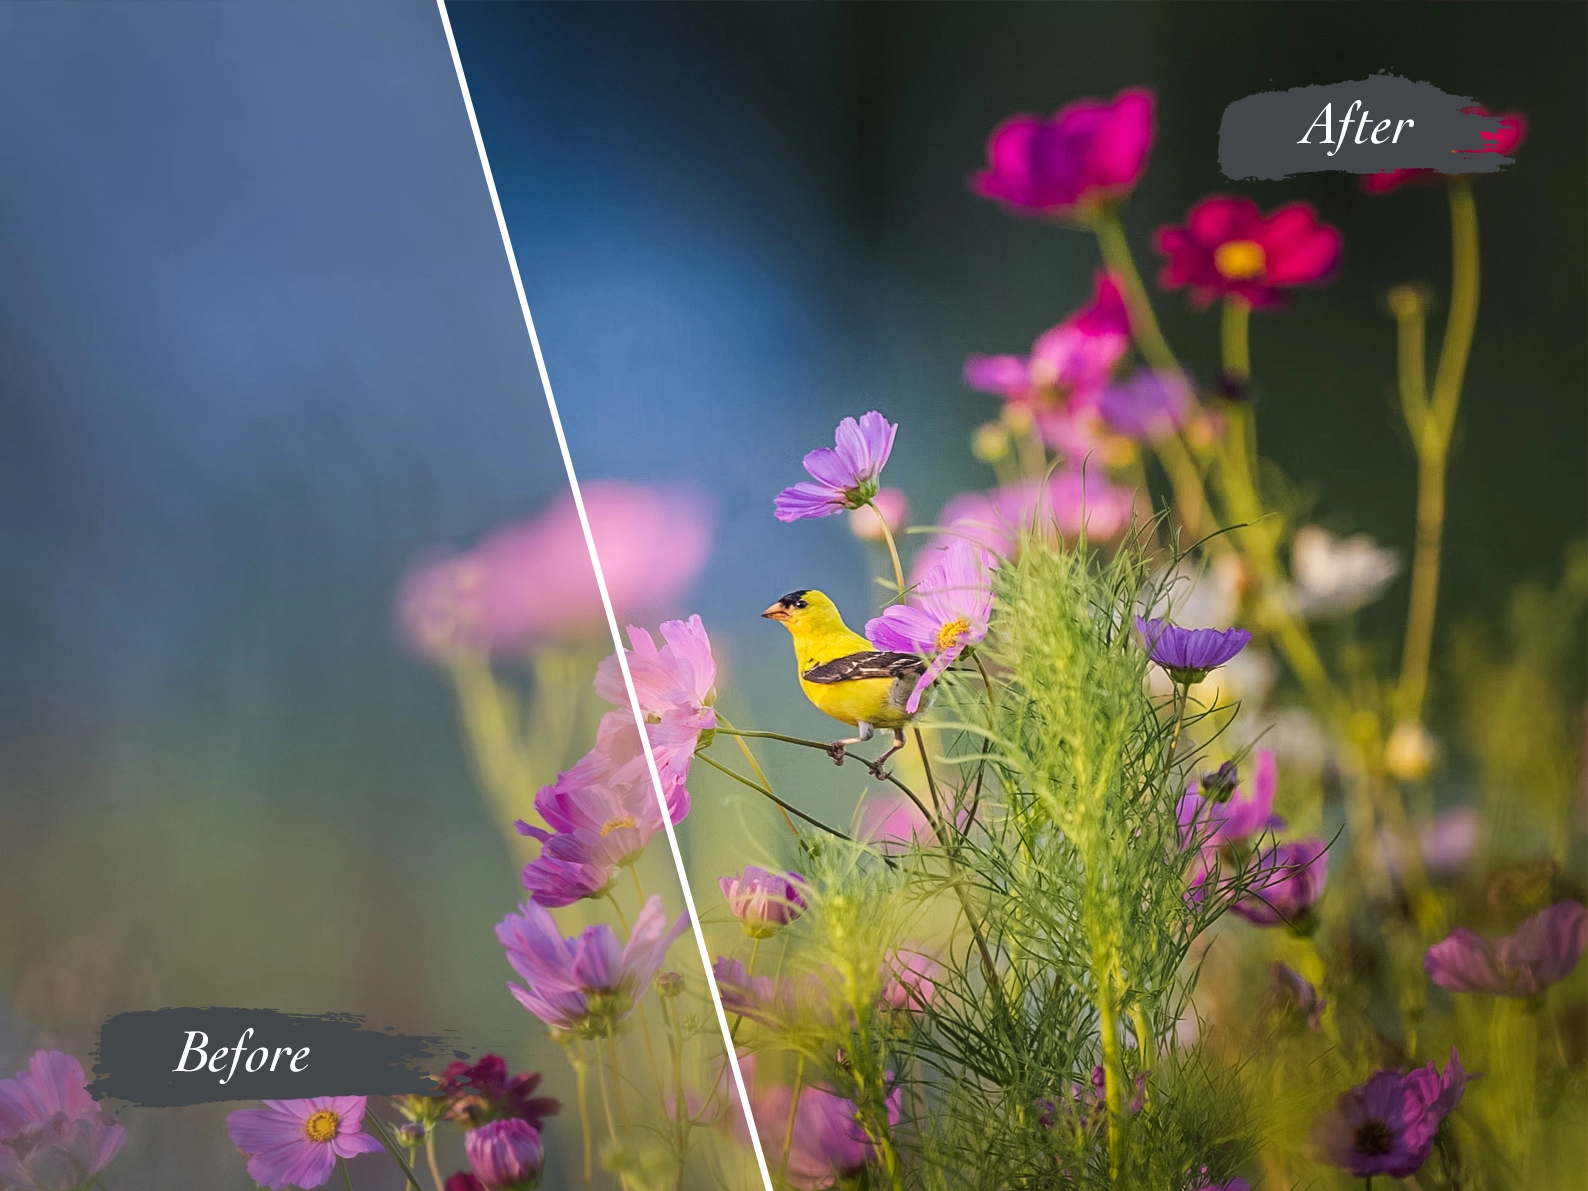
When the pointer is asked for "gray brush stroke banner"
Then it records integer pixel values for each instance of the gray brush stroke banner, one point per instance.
(1259, 135)
(138, 1053)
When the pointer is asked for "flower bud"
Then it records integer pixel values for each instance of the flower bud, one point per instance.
(763, 901)
(669, 984)
(1220, 784)
(1410, 752)
(990, 442)
(506, 1155)
(410, 1134)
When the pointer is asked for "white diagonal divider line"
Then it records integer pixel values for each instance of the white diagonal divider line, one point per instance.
(606, 604)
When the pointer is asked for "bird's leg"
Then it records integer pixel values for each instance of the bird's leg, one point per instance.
(836, 749)
(876, 766)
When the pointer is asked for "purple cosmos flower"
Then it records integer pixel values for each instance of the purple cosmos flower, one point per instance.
(1148, 406)
(475, 1093)
(1543, 951)
(846, 478)
(909, 980)
(531, 581)
(53, 1134)
(1286, 882)
(1387, 1125)
(1092, 151)
(827, 1144)
(1291, 992)
(781, 1003)
(589, 983)
(1188, 654)
(295, 1143)
(505, 1155)
(950, 610)
(763, 901)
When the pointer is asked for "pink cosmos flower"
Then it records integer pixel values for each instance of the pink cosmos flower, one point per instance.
(475, 1093)
(1511, 133)
(1227, 248)
(909, 980)
(1288, 881)
(1092, 151)
(888, 507)
(847, 475)
(505, 1155)
(589, 983)
(675, 683)
(1211, 824)
(532, 580)
(763, 901)
(53, 1134)
(1387, 1125)
(948, 612)
(1543, 951)
(828, 1144)
(781, 1003)
(295, 1143)
(1061, 381)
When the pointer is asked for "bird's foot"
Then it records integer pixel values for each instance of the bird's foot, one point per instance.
(877, 770)
(837, 750)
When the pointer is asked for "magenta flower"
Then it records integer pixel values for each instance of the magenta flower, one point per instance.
(1284, 883)
(1211, 824)
(505, 1155)
(888, 508)
(1512, 132)
(1543, 951)
(763, 901)
(587, 984)
(1149, 406)
(1228, 249)
(532, 580)
(1388, 1124)
(1092, 151)
(846, 477)
(909, 980)
(827, 1143)
(464, 1181)
(53, 1134)
(948, 612)
(1188, 654)
(475, 1093)
(295, 1143)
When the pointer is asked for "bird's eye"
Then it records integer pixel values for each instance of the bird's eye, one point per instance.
(799, 603)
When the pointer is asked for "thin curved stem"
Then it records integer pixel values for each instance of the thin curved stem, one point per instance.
(893, 550)
(789, 808)
(430, 1158)
(793, 1106)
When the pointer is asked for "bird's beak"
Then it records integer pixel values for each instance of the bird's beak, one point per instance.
(776, 612)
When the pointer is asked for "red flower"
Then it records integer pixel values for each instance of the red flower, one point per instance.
(482, 1092)
(1091, 150)
(1227, 247)
(1511, 133)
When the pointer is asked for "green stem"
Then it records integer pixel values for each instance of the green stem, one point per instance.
(1236, 338)
(1144, 329)
(430, 1158)
(1113, 1094)
(788, 1128)
(755, 768)
(391, 1148)
(893, 550)
(347, 1179)
(581, 1070)
(765, 793)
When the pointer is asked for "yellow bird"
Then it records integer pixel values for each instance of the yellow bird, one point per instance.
(844, 676)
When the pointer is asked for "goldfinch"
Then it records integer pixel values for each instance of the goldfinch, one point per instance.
(844, 675)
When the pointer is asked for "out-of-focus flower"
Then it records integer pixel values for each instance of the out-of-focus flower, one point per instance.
(586, 984)
(476, 1093)
(888, 506)
(1333, 576)
(668, 984)
(464, 1181)
(1220, 785)
(909, 980)
(1213, 824)
(506, 1155)
(1188, 654)
(675, 683)
(532, 580)
(1149, 406)
(1293, 993)
(762, 901)
(53, 1134)
(1090, 152)
(948, 612)
(1085, 1106)
(1410, 751)
(295, 1143)
(1285, 882)
(1449, 840)
(1227, 248)
(1059, 386)
(827, 1143)
(1543, 951)
(846, 477)
(1504, 141)
(1387, 1125)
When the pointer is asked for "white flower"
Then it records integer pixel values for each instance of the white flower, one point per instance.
(1333, 576)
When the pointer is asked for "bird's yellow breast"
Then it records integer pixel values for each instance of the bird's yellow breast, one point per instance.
(874, 701)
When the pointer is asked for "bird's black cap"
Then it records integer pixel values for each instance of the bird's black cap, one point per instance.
(794, 599)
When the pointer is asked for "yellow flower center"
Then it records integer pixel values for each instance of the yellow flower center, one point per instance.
(322, 1126)
(612, 825)
(948, 636)
(1240, 260)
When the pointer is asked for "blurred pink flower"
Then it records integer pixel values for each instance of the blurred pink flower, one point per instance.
(295, 1143)
(1210, 824)
(674, 683)
(948, 612)
(1092, 151)
(1288, 881)
(532, 580)
(763, 901)
(1228, 248)
(888, 505)
(1388, 1124)
(909, 980)
(1148, 406)
(53, 1134)
(1512, 132)
(1543, 951)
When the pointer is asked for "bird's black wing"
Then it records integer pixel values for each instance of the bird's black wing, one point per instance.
(870, 663)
